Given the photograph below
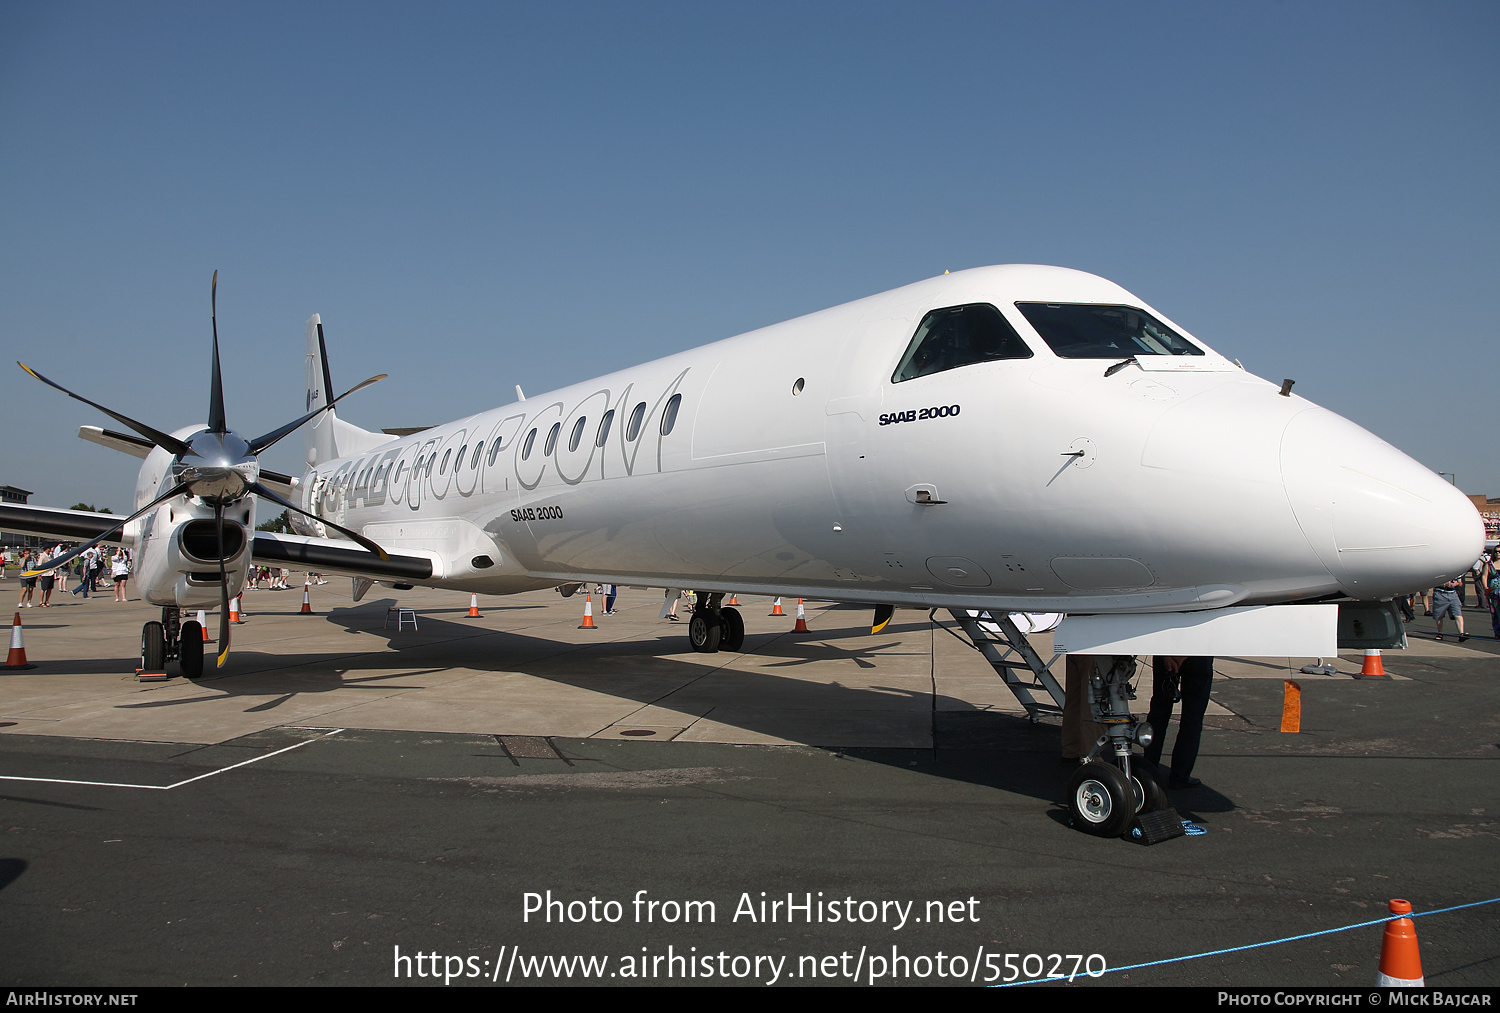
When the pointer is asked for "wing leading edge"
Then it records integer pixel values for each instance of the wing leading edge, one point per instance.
(327, 555)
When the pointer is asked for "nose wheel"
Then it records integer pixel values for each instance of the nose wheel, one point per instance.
(172, 640)
(1100, 800)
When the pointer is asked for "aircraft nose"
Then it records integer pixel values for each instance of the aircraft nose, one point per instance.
(1382, 523)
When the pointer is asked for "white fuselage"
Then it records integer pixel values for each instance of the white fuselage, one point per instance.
(795, 465)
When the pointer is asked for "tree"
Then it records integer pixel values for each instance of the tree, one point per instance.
(279, 523)
(90, 508)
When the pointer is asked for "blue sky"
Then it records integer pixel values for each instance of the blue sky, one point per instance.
(479, 195)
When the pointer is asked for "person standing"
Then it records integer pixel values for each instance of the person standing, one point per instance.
(1192, 679)
(610, 593)
(1492, 585)
(120, 570)
(1447, 604)
(28, 584)
(45, 580)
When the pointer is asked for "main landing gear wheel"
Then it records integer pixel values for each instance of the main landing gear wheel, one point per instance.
(703, 634)
(190, 649)
(153, 648)
(733, 626)
(1100, 800)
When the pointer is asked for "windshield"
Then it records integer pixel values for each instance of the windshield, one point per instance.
(959, 336)
(1091, 331)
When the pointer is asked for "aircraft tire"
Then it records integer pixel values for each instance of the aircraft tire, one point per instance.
(1099, 799)
(153, 647)
(704, 635)
(190, 649)
(733, 637)
(1144, 773)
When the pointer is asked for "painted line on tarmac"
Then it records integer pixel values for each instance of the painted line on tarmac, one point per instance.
(1269, 942)
(168, 787)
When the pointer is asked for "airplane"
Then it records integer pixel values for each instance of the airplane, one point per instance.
(1009, 439)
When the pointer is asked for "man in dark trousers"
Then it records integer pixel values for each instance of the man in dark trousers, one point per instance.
(1194, 676)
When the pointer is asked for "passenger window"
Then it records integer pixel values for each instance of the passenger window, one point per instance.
(477, 451)
(609, 417)
(633, 427)
(494, 450)
(442, 468)
(552, 438)
(526, 448)
(669, 417)
(458, 460)
(1091, 331)
(577, 434)
(430, 462)
(959, 336)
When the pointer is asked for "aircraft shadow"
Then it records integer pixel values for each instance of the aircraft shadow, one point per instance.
(993, 749)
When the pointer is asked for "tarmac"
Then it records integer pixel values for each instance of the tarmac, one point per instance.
(346, 795)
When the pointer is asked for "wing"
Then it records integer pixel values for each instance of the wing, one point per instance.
(337, 555)
(70, 525)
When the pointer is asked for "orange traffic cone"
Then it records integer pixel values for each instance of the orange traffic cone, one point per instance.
(307, 597)
(801, 626)
(203, 624)
(1400, 962)
(734, 599)
(776, 608)
(234, 610)
(17, 657)
(588, 614)
(474, 606)
(1373, 669)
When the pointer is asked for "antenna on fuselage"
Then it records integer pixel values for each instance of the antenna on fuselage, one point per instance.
(519, 396)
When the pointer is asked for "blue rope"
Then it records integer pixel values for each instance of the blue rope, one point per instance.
(1271, 942)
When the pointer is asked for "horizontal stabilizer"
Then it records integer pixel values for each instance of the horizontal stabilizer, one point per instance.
(123, 442)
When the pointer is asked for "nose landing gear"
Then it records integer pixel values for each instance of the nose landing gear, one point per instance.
(1104, 796)
(172, 640)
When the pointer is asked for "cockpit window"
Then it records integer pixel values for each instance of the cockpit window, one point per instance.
(959, 336)
(1089, 331)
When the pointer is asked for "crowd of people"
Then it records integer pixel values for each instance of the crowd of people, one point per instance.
(88, 568)
(90, 571)
(1448, 600)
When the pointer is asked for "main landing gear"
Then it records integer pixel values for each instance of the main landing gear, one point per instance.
(172, 640)
(714, 627)
(1113, 785)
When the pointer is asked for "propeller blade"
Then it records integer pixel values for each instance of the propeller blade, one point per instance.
(265, 493)
(262, 442)
(223, 586)
(883, 614)
(69, 556)
(170, 444)
(216, 421)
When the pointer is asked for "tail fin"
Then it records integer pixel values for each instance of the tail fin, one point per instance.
(318, 438)
(329, 436)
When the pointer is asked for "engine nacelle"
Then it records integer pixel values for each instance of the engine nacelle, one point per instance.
(176, 560)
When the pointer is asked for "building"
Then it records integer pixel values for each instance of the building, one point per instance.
(10, 539)
(1489, 509)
